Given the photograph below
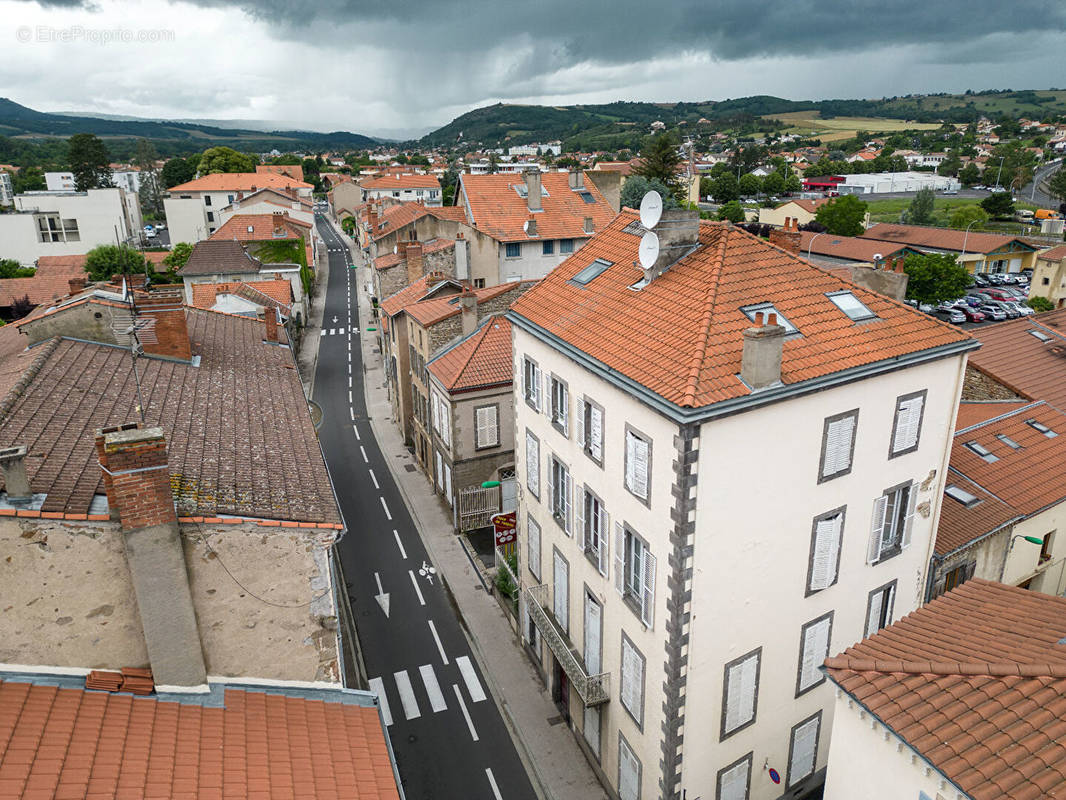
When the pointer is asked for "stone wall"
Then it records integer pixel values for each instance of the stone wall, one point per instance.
(978, 386)
(446, 330)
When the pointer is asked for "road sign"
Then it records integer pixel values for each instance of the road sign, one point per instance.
(505, 526)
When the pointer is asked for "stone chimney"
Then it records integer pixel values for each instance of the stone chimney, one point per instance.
(279, 224)
(532, 178)
(270, 318)
(679, 234)
(171, 329)
(589, 226)
(468, 305)
(414, 262)
(76, 285)
(137, 479)
(16, 482)
(531, 226)
(788, 237)
(760, 364)
(577, 180)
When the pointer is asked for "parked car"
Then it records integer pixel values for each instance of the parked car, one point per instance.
(971, 300)
(997, 278)
(971, 314)
(981, 280)
(1019, 292)
(1006, 307)
(993, 312)
(1022, 309)
(149, 233)
(951, 314)
(996, 293)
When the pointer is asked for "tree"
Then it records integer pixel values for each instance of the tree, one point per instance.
(28, 179)
(660, 160)
(494, 162)
(999, 204)
(106, 260)
(843, 216)
(10, 268)
(706, 186)
(920, 211)
(177, 171)
(1057, 184)
(970, 174)
(1040, 304)
(935, 277)
(288, 160)
(178, 255)
(225, 159)
(793, 184)
(144, 159)
(774, 184)
(725, 188)
(749, 185)
(636, 187)
(732, 211)
(21, 306)
(950, 165)
(89, 161)
(966, 216)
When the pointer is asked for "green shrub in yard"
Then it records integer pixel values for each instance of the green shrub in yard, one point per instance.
(1040, 304)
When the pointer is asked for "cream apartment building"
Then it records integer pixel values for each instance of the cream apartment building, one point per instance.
(729, 465)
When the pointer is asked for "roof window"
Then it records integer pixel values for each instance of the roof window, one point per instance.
(766, 309)
(592, 271)
(1040, 426)
(1008, 441)
(1039, 335)
(587, 197)
(961, 495)
(982, 451)
(853, 308)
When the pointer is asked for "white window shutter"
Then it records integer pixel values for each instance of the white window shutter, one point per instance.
(604, 524)
(546, 406)
(533, 537)
(907, 416)
(647, 598)
(874, 549)
(826, 550)
(538, 389)
(568, 497)
(564, 409)
(641, 473)
(740, 693)
(912, 496)
(873, 618)
(561, 592)
(494, 425)
(804, 743)
(581, 521)
(532, 464)
(628, 773)
(619, 557)
(733, 785)
(596, 432)
(815, 651)
(632, 679)
(581, 423)
(838, 446)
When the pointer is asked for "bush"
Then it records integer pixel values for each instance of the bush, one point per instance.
(731, 211)
(1040, 304)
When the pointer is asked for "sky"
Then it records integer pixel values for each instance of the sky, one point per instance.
(401, 68)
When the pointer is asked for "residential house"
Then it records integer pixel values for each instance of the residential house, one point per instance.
(267, 201)
(403, 188)
(1049, 276)
(256, 230)
(193, 208)
(383, 228)
(726, 463)
(223, 264)
(393, 271)
(978, 252)
(346, 199)
(67, 223)
(801, 210)
(961, 700)
(294, 171)
(471, 402)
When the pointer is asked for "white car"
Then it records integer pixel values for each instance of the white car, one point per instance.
(149, 233)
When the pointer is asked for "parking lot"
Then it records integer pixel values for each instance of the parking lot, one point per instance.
(986, 305)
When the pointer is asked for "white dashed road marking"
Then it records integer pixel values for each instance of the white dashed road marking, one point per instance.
(436, 638)
(466, 714)
(414, 581)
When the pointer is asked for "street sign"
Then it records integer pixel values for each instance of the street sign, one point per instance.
(505, 526)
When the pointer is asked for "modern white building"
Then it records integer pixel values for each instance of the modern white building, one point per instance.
(130, 180)
(423, 189)
(59, 181)
(729, 464)
(882, 182)
(555, 148)
(7, 188)
(67, 223)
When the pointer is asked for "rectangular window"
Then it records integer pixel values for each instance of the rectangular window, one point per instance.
(590, 429)
(734, 781)
(533, 464)
(825, 551)
(978, 448)
(740, 692)
(638, 461)
(441, 418)
(479, 283)
(594, 525)
(838, 445)
(547, 248)
(814, 650)
(533, 546)
(210, 216)
(631, 692)
(561, 590)
(531, 383)
(628, 771)
(207, 199)
(560, 406)
(803, 749)
(514, 250)
(1041, 427)
(852, 306)
(893, 515)
(907, 427)
(879, 608)
(566, 245)
(956, 577)
(634, 572)
(560, 494)
(486, 426)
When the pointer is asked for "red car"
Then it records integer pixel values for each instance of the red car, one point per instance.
(972, 314)
(996, 294)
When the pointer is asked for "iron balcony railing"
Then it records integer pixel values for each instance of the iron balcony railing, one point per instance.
(593, 689)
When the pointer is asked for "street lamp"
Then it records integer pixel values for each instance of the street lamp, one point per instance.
(1000, 170)
(964, 238)
(810, 244)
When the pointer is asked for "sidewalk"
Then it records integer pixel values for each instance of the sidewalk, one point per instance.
(557, 766)
(307, 359)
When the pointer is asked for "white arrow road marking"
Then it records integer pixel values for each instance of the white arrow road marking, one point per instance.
(407, 695)
(462, 705)
(334, 319)
(492, 782)
(414, 582)
(378, 688)
(473, 685)
(382, 597)
(436, 638)
(436, 696)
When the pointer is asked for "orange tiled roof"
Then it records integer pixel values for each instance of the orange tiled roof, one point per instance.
(436, 309)
(851, 248)
(808, 205)
(453, 213)
(294, 171)
(239, 182)
(262, 228)
(682, 336)
(1054, 254)
(501, 212)
(1024, 363)
(395, 217)
(396, 182)
(69, 742)
(425, 286)
(480, 360)
(975, 682)
(280, 291)
(51, 280)
(973, 412)
(960, 525)
(941, 238)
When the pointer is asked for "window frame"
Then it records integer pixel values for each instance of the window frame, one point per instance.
(583, 419)
(736, 662)
(892, 453)
(842, 511)
(592, 552)
(564, 244)
(564, 624)
(854, 413)
(562, 423)
(790, 780)
(564, 515)
(531, 382)
(638, 720)
(547, 247)
(893, 585)
(638, 434)
(623, 742)
(623, 573)
(749, 758)
(800, 688)
(897, 546)
(496, 427)
(507, 250)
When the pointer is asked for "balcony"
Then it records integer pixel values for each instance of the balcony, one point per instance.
(594, 689)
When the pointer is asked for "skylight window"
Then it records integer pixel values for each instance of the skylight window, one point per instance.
(587, 197)
(852, 307)
(1008, 441)
(1039, 335)
(982, 451)
(766, 309)
(961, 495)
(592, 271)
(1040, 426)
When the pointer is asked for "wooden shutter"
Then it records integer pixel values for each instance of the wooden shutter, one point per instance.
(486, 426)
(568, 497)
(546, 404)
(581, 406)
(740, 693)
(632, 680)
(561, 592)
(538, 389)
(628, 772)
(733, 783)
(604, 524)
(533, 537)
(582, 523)
(619, 558)
(873, 616)
(804, 743)
(912, 496)
(908, 415)
(595, 433)
(448, 483)
(838, 439)
(532, 464)
(637, 465)
(877, 527)
(435, 411)
(440, 469)
(826, 551)
(815, 649)
(564, 408)
(647, 589)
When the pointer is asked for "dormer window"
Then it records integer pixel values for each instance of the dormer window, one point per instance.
(853, 308)
(1008, 441)
(766, 309)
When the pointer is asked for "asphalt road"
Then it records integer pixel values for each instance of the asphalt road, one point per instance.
(449, 738)
(1042, 199)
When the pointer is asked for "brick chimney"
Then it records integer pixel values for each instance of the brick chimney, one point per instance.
(278, 220)
(137, 479)
(76, 285)
(532, 178)
(270, 318)
(171, 329)
(788, 237)
(577, 180)
(16, 482)
(763, 345)
(468, 307)
(414, 262)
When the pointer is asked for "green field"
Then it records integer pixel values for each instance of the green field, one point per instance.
(889, 211)
(810, 124)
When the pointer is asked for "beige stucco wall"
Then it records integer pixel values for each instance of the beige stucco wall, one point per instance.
(67, 598)
(1023, 557)
(186, 219)
(1054, 272)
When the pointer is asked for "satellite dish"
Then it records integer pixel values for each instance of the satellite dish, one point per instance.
(649, 248)
(651, 209)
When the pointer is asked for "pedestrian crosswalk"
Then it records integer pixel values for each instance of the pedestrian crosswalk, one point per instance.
(337, 332)
(410, 692)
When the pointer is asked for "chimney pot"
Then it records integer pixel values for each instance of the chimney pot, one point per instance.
(16, 482)
(171, 328)
(413, 254)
